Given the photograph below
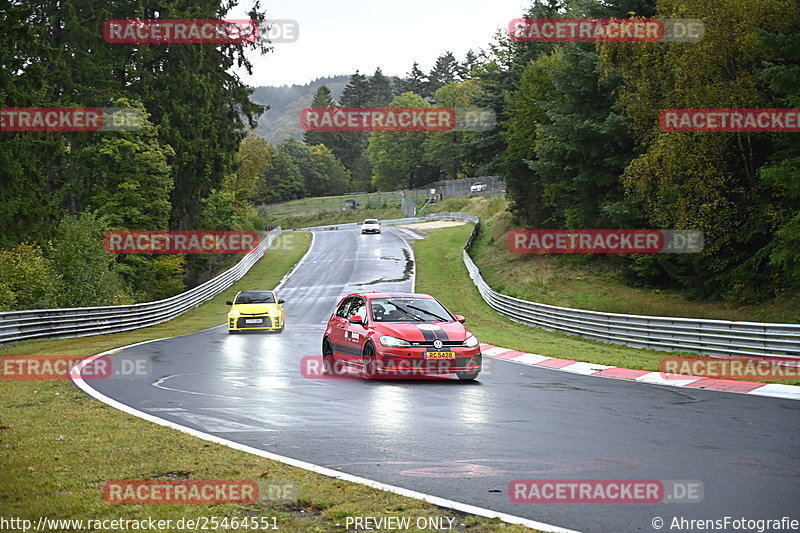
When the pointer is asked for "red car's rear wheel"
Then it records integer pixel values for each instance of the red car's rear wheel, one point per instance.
(328, 360)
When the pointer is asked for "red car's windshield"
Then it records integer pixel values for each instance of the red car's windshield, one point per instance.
(409, 310)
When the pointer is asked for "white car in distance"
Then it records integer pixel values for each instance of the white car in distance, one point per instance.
(370, 225)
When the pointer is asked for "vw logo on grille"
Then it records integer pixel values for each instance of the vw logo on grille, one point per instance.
(437, 344)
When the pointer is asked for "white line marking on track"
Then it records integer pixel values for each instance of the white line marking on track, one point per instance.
(159, 385)
(296, 265)
(213, 424)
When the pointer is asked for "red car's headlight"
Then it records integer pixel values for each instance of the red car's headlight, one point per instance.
(393, 342)
(471, 342)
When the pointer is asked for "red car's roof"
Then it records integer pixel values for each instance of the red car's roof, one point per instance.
(371, 295)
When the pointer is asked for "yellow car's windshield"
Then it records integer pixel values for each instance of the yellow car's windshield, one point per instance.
(255, 297)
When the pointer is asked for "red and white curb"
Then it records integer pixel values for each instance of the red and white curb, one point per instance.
(789, 392)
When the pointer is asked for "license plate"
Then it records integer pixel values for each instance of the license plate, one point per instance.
(440, 355)
(253, 320)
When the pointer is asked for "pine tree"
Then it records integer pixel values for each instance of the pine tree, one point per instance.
(331, 139)
(356, 92)
(465, 68)
(443, 72)
(416, 82)
(352, 151)
(380, 89)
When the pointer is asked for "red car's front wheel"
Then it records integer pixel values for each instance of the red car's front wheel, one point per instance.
(369, 361)
(467, 375)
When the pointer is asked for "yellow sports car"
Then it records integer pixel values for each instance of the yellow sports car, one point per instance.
(255, 310)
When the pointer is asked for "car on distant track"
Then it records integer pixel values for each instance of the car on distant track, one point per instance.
(351, 204)
(389, 335)
(478, 186)
(370, 225)
(255, 311)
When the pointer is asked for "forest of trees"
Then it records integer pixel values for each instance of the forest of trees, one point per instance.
(396, 160)
(581, 147)
(577, 140)
(60, 191)
(328, 163)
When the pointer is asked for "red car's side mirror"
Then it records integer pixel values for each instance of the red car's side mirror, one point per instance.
(356, 319)
(461, 318)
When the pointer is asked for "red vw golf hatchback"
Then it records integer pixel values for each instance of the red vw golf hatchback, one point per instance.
(397, 335)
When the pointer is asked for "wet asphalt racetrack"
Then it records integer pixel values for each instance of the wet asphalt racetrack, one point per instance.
(465, 441)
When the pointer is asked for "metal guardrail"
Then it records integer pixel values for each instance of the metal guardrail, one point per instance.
(721, 338)
(86, 321)
(395, 221)
(354, 225)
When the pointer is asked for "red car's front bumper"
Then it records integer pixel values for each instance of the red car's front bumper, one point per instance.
(415, 361)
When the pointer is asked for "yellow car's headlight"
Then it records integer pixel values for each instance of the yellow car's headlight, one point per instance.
(235, 312)
(274, 311)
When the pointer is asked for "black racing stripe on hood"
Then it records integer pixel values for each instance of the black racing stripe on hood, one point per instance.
(432, 335)
(426, 334)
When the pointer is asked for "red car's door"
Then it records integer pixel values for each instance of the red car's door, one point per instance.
(355, 334)
(337, 326)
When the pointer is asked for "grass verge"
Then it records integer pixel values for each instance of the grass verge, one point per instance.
(441, 272)
(593, 283)
(59, 446)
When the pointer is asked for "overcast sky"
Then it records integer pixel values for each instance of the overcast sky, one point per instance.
(340, 36)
